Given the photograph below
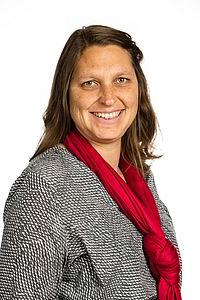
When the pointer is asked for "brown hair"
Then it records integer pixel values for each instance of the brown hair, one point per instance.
(137, 142)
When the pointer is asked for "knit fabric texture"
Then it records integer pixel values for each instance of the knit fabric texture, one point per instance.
(65, 238)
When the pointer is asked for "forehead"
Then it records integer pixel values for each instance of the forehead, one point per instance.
(108, 57)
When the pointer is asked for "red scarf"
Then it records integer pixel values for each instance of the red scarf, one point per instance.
(136, 201)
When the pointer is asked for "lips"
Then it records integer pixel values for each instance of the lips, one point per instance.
(106, 115)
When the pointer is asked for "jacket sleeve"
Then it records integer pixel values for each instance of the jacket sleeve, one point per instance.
(165, 217)
(31, 254)
(166, 220)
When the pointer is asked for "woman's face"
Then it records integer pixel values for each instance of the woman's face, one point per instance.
(103, 93)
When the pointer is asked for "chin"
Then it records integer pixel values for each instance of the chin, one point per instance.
(106, 138)
(103, 137)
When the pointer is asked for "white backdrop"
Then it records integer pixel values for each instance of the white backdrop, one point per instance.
(33, 34)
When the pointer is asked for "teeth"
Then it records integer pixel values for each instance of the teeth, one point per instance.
(107, 115)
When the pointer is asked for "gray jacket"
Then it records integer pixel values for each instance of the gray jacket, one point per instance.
(65, 238)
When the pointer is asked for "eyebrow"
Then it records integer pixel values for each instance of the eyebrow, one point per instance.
(93, 75)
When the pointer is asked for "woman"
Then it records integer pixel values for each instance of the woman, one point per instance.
(84, 220)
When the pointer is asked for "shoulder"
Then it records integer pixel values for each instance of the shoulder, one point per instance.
(51, 164)
(47, 166)
(42, 179)
(162, 208)
(52, 172)
(165, 216)
(56, 164)
(149, 177)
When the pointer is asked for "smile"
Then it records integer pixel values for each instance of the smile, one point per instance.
(107, 116)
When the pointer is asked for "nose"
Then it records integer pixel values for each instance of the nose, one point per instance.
(107, 96)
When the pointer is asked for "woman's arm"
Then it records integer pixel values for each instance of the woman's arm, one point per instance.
(32, 252)
(166, 220)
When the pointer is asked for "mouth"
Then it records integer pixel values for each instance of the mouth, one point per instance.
(106, 115)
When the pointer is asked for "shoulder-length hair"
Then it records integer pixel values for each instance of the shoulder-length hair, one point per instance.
(137, 142)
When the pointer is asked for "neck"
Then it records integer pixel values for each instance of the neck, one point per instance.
(109, 152)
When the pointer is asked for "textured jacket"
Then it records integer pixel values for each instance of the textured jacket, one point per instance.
(65, 238)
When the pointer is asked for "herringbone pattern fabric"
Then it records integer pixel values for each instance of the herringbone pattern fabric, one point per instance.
(65, 238)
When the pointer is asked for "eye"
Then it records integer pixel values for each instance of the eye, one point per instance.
(89, 83)
(122, 80)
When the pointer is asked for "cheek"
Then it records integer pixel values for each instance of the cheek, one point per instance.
(77, 110)
(72, 107)
(132, 101)
(74, 110)
(78, 101)
(130, 96)
(135, 99)
(74, 103)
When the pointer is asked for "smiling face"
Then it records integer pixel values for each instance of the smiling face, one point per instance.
(103, 94)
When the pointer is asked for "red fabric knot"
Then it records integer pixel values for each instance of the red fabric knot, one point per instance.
(162, 257)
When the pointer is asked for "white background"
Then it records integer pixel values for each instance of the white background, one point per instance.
(33, 34)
